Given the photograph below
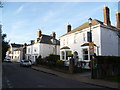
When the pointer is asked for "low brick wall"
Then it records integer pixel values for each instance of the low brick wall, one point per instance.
(105, 66)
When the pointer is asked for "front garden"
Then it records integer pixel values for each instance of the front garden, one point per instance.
(53, 62)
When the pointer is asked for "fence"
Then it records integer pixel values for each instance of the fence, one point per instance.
(105, 66)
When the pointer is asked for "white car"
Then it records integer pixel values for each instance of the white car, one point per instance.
(7, 60)
(25, 63)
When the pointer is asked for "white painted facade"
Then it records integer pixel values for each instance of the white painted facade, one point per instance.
(37, 49)
(43, 46)
(105, 39)
(14, 55)
(18, 55)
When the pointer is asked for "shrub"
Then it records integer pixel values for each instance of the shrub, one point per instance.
(39, 60)
(52, 59)
(60, 63)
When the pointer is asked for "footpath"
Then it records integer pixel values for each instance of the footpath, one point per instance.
(82, 77)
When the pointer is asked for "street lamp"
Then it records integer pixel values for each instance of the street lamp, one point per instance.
(91, 47)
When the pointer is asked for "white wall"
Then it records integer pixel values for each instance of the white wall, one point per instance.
(46, 49)
(41, 49)
(75, 40)
(109, 42)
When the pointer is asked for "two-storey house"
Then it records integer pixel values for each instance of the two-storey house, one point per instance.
(42, 46)
(104, 36)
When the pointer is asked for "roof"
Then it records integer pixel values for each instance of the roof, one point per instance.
(86, 44)
(48, 40)
(65, 47)
(18, 49)
(16, 45)
(86, 25)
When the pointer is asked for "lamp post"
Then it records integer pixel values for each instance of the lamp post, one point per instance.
(91, 47)
(90, 33)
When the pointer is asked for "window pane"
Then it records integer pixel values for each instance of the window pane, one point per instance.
(85, 51)
(62, 54)
(67, 54)
(85, 54)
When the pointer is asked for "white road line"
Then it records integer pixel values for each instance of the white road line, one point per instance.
(9, 84)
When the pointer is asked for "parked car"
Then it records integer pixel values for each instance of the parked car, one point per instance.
(7, 60)
(25, 63)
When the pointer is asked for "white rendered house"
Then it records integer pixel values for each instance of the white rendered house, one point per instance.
(10, 53)
(42, 46)
(104, 36)
(18, 54)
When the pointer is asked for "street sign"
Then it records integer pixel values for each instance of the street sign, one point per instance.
(91, 48)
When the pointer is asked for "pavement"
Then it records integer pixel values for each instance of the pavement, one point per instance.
(82, 77)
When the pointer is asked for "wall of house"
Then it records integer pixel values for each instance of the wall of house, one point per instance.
(29, 52)
(75, 40)
(46, 49)
(16, 56)
(12, 54)
(41, 49)
(109, 42)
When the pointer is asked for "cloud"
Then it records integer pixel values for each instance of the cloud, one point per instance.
(16, 29)
(19, 9)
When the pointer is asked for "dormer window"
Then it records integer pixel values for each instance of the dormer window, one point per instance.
(53, 41)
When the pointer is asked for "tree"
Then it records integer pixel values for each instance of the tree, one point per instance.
(5, 46)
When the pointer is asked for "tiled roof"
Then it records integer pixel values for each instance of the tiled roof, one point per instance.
(48, 40)
(18, 49)
(16, 45)
(86, 25)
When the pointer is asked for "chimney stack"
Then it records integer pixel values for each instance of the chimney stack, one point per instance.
(53, 35)
(68, 28)
(32, 42)
(39, 33)
(118, 20)
(106, 16)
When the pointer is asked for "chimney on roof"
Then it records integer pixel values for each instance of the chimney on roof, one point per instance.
(39, 33)
(68, 28)
(53, 35)
(118, 19)
(106, 15)
(32, 42)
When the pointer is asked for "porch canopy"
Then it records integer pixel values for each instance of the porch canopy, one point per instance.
(86, 44)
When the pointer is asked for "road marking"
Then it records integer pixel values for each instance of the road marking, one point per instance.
(9, 84)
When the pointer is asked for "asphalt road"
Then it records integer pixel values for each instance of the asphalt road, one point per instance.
(15, 76)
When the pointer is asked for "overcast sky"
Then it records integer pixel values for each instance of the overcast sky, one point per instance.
(21, 20)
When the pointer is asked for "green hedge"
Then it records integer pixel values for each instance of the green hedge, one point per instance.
(51, 60)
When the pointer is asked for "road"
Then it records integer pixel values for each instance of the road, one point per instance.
(15, 76)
